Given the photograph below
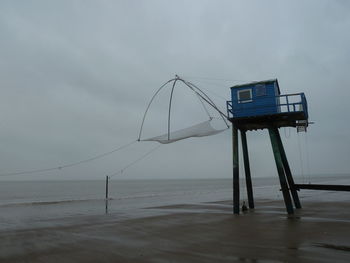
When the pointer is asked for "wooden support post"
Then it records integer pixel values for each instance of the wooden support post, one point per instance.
(106, 200)
(106, 207)
(288, 172)
(235, 170)
(248, 178)
(107, 187)
(328, 187)
(279, 164)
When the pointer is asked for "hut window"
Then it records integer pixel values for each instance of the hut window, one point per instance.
(260, 90)
(244, 95)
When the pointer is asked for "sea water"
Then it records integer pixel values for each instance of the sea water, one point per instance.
(41, 203)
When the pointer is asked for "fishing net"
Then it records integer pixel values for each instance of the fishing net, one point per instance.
(199, 130)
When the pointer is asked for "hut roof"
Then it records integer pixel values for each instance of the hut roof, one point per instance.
(258, 82)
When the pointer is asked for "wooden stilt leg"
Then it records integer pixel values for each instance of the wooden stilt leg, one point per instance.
(279, 164)
(288, 172)
(235, 170)
(247, 169)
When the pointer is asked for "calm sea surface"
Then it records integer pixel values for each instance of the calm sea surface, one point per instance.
(24, 204)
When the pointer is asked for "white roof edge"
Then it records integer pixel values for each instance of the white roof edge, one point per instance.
(254, 82)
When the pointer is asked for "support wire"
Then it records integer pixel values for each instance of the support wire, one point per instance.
(68, 165)
(134, 162)
(301, 159)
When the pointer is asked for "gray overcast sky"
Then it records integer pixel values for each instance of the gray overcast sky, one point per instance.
(76, 77)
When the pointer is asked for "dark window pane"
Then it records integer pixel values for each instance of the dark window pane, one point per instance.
(260, 90)
(244, 95)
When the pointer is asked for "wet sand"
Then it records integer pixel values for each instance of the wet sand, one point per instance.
(207, 232)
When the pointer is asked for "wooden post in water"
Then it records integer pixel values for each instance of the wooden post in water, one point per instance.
(279, 164)
(248, 178)
(235, 170)
(288, 172)
(106, 200)
(107, 178)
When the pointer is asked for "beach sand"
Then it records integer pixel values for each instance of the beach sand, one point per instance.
(207, 232)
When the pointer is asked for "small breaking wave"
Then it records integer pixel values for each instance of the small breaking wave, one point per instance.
(54, 202)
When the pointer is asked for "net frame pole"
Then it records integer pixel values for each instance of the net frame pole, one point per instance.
(170, 102)
(149, 105)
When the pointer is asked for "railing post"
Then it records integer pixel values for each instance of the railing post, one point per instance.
(228, 109)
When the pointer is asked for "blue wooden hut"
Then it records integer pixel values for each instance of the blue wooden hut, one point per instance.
(260, 105)
(256, 98)
(260, 102)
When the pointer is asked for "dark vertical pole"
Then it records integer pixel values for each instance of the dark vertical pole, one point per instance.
(107, 187)
(279, 164)
(288, 172)
(106, 200)
(248, 178)
(106, 208)
(235, 170)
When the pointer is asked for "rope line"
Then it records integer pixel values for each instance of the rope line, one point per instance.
(215, 94)
(68, 165)
(212, 92)
(205, 108)
(307, 158)
(286, 134)
(204, 96)
(134, 162)
(301, 159)
(216, 79)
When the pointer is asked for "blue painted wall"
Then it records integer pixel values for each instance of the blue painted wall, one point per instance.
(261, 104)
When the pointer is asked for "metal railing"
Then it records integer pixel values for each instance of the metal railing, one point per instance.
(266, 105)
